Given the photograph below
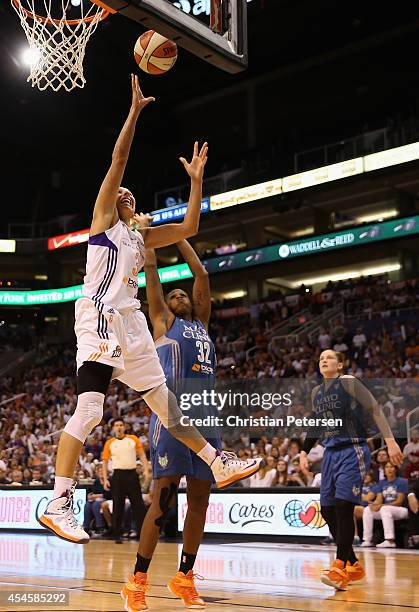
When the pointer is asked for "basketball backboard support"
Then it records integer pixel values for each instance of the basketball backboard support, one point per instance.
(221, 42)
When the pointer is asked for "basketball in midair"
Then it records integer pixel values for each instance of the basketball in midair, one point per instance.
(154, 53)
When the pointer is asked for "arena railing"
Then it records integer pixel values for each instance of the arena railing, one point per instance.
(308, 330)
(410, 427)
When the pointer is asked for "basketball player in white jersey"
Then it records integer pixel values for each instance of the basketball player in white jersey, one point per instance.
(113, 340)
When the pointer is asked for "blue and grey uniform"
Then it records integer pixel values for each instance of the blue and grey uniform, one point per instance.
(188, 359)
(347, 457)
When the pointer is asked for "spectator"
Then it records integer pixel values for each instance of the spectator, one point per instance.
(27, 476)
(359, 340)
(379, 467)
(387, 506)
(84, 477)
(411, 470)
(294, 449)
(17, 478)
(368, 495)
(299, 477)
(263, 478)
(281, 479)
(413, 446)
(324, 339)
(93, 446)
(36, 478)
(96, 495)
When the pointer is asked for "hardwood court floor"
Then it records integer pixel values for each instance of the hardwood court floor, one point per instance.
(238, 577)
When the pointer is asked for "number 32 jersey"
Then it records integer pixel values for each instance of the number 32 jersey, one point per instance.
(187, 356)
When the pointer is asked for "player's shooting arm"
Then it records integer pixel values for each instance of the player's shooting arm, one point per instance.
(357, 390)
(155, 237)
(105, 214)
(160, 316)
(201, 293)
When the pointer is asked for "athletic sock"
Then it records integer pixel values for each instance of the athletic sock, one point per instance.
(187, 562)
(207, 454)
(61, 485)
(142, 564)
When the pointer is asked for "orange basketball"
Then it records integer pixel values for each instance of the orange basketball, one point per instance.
(154, 53)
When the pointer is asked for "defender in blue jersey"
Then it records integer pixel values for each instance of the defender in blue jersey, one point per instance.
(345, 404)
(187, 355)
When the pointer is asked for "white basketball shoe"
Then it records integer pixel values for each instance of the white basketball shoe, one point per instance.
(227, 468)
(59, 518)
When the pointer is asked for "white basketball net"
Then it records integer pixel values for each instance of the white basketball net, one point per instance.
(58, 33)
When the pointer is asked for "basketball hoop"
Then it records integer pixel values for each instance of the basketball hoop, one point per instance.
(57, 33)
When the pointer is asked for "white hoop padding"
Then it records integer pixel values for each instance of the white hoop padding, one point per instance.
(58, 33)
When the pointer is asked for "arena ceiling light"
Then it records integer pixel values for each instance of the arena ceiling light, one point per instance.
(232, 295)
(378, 216)
(7, 246)
(345, 275)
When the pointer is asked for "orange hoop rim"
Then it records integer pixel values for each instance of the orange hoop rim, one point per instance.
(104, 13)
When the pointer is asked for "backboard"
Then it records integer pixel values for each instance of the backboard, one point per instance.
(215, 30)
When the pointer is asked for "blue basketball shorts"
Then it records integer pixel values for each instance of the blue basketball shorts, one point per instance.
(343, 473)
(169, 457)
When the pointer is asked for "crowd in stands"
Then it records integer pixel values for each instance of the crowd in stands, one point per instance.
(382, 350)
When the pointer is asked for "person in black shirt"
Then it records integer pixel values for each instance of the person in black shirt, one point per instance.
(96, 495)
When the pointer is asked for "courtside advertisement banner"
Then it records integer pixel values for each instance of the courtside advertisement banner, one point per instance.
(19, 508)
(277, 514)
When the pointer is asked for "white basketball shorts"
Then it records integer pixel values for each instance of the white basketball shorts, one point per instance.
(127, 346)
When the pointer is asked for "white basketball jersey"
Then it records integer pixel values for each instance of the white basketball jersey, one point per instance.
(114, 259)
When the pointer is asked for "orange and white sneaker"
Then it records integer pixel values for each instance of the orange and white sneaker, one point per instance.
(355, 572)
(336, 576)
(133, 593)
(59, 518)
(227, 468)
(183, 586)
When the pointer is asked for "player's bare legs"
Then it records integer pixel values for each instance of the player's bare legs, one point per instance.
(68, 453)
(182, 584)
(92, 382)
(164, 500)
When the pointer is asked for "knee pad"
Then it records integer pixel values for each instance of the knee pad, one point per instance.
(164, 404)
(88, 414)
(166, 503)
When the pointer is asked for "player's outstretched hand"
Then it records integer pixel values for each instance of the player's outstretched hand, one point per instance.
(195, 168)
(138, 100)
(394, 453)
